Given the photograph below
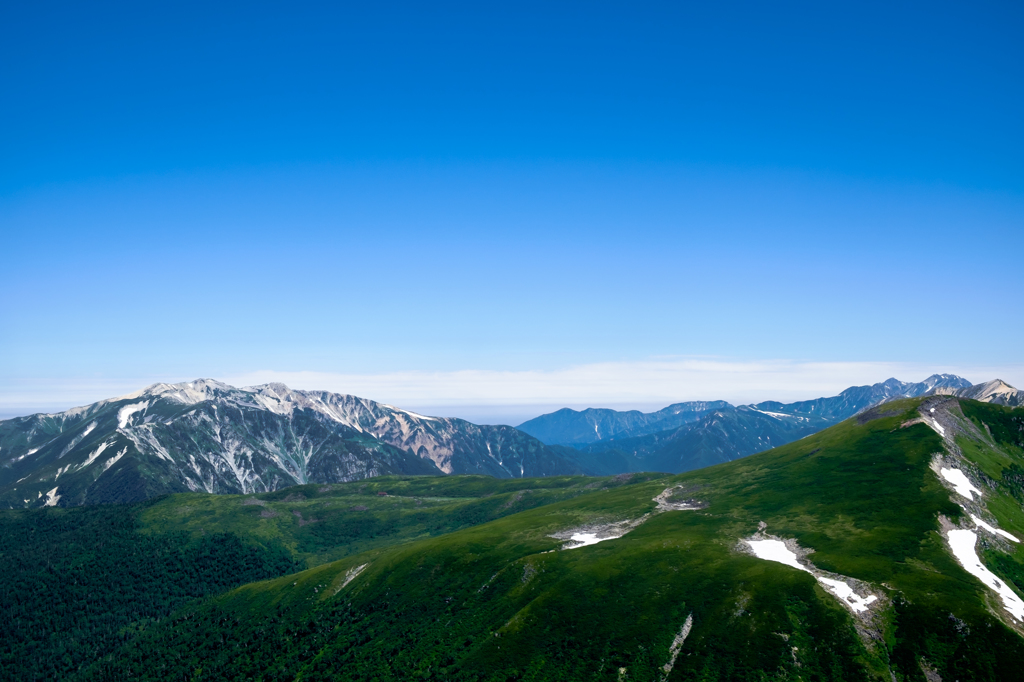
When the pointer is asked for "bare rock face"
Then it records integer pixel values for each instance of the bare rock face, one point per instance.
(207, 436)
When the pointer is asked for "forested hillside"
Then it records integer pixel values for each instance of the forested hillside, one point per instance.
(79, 582)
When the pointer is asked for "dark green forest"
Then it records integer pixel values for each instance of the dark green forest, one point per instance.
(76, 583)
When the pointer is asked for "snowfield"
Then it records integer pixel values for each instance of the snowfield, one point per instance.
(960, 483)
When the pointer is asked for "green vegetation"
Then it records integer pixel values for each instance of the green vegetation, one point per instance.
(1005, 425)
(320, 523)
(79, 582)
(459, 578)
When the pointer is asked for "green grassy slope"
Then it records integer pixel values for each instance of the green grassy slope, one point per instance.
(78, 582)
(320, 523)
(499, 601)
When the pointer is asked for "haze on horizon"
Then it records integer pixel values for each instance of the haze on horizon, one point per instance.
(503, 208)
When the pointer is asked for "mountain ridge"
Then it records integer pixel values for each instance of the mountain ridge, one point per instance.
(996, 391)
(206, 435)
(577, 426)
(579, 423)
(730, 432)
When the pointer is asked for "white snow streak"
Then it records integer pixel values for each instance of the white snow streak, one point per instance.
(51, 498)
(846, 593)
(96, 453)
(113, 460)
(776, 550)
(411, 414)
(77, 439)
(962, 543)
(995, 531)
(779, 415)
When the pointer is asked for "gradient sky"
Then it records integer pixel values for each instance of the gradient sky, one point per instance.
(334, 195)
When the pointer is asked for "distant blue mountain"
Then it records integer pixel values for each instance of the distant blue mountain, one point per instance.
(692, 435)
(569, 427)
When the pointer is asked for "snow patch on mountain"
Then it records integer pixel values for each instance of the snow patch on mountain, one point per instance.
(774, 549)
(593, 533)
(992, 529)
(124, 415)
(962, 543)
(960, 483)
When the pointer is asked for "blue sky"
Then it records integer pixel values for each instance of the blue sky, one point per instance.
(463, 197)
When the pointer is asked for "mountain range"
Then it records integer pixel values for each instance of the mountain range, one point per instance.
(693, 435)
(884, 548)
(207, 436)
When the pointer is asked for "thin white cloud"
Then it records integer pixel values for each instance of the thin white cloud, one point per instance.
(646, 384)
(655, 381)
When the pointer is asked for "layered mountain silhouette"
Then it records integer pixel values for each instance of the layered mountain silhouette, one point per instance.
(694, 435)
(206, 436)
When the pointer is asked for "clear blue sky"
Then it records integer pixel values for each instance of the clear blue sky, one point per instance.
(221, 190)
